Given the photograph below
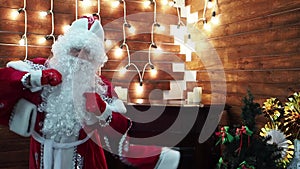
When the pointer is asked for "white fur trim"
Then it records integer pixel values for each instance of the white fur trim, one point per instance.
(107, 112)
(23, 118)
(35, 78)
(19, 65)
(118, 106)
(97, 29)
(169, 159)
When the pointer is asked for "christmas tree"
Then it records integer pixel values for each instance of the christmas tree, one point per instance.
(246, 147)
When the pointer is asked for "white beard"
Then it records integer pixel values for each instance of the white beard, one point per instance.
(65, 104)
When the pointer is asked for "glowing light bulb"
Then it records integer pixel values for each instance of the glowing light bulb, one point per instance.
(153, 72)
(139, 88)
(108, 43)
(209, 4)
(171, 3)
(215, 20)
(161, 28)
(115, 4)
(158, 50)
(41, 40)
(66, 28)
(14, 14)
(86, 3)
(22, 42)
(147, 3)
(118, 52)
(123, 70)
(43, 13)
(206, 26)
(131, 29)
(165, 2)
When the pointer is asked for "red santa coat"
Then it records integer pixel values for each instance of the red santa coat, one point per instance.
(87, 155)
(12, 90)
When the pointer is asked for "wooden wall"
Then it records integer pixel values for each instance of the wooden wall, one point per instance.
(14, 150)
(11, 29)
(258, 42)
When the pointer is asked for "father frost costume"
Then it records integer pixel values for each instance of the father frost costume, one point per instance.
(66, 109)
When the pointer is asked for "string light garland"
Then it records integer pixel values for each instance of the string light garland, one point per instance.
(152, 45)
(50, 12)
(208, 4)
(23, 40)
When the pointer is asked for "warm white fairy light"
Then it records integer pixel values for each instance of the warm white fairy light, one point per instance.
(126, 26)
(153, 72)
(206, 26)
(139, 88)
(23, 41)
(115, 4)
(41, 40)
(14, 14)
(118, 52)
(165, 2)
(66, 28)
(172, 3)
(43, 13)
(123, 70)
(50, 12)
(209, 4)
(108, 43)
(132, 29)
(215, 19)
(86, 3)
(147, 3)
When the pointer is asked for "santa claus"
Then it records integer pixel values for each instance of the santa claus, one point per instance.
(67, 110)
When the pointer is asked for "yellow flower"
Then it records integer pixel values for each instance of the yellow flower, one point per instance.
(285, 146)
(292, 116)
(273, 108)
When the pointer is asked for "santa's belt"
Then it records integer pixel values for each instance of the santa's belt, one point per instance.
(49, 145)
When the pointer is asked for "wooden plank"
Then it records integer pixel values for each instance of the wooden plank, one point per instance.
(230, 55)
(34, 39)
(269, 62)
(8, 51)
(233, 11)
(281, 33)
(138, 56)
(262, 76)
(258, 23)
(131, 76)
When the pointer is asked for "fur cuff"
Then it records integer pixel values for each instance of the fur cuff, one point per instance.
(19, 65)
(118, 106)
(168, 159)
(35, 78)
(23, 118)
(106, 114)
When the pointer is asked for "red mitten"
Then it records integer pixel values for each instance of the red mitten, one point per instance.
(51, 77)
(94, 103)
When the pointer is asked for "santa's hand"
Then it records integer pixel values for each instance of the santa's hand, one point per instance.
(34, 80)
(95, 104)
(51, 77)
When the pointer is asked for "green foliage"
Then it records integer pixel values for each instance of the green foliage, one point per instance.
(249, 111)
(248, 150)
